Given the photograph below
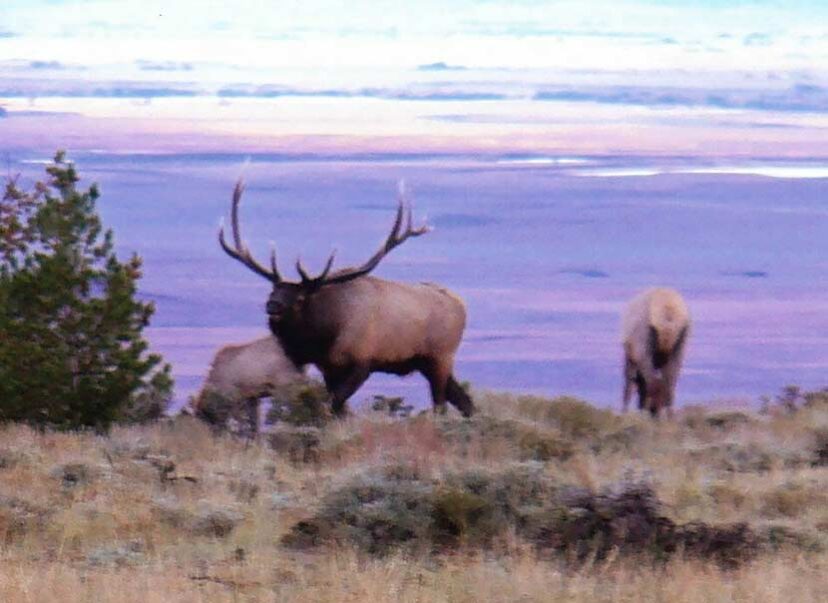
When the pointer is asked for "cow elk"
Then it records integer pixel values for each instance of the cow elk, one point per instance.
(240, 376)
(350, 324)
(655, 328)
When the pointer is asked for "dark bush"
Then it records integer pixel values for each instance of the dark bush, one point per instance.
(820, 448)
(629, 520)
(728, 545)
(460, 515)
(727, 420)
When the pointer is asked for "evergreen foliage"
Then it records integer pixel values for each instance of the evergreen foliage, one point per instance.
(72, 352)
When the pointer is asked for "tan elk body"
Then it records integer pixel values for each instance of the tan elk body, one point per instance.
(241, 375)
(349, 324)
(655, 327)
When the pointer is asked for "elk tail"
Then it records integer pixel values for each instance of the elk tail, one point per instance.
(459, 397)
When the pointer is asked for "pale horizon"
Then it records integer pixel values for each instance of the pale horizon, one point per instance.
(632, 77)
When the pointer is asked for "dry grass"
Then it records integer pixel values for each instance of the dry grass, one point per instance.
(346, 578)
(173, 513)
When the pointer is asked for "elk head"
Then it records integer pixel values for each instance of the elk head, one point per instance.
(287, 297)
(657, 394)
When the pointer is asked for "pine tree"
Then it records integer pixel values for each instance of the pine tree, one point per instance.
(71, 347)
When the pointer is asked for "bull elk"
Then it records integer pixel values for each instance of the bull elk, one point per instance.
(654, 328)
(350, 324)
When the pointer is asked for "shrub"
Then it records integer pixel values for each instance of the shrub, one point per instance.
(213, 408)
(574, 417)
(820, 447)
(392, 406)
(727, 420)
(74, 474)
(530, 441)
(376, 514)
(18, 517)
(118, 555)
(207, 520)
(780, 537)
(793, 399)
(216, 521)
(169, 512)
(245, 490)
(304, 404)
(736, 458)
(298, 444)
(723, 493)
(382, 513)
(788, 400)
(536, 445)
(618, 440)
(817, 398)
(629, 520)
(299, 404)
(462, 515)
(790, 500)
(10, 458)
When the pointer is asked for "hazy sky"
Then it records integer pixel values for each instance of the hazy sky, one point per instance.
(744, 77)
(615, 34)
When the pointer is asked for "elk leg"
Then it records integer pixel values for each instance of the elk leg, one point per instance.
(437, 376)
(438, 395)
(342, 385)
(671, 373)
(628, 388)
(641, 384)
(629, 381)
(459, 398)
(251, 408)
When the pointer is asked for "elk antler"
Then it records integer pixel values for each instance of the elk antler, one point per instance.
(395, 238)
(402, 229)
(241, 252)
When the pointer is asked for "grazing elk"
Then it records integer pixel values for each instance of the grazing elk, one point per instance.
(655, 327)
(349, 324)
(240, 376)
